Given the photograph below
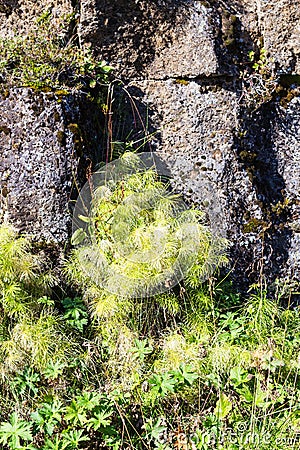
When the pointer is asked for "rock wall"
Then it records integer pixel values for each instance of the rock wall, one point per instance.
(230, 132)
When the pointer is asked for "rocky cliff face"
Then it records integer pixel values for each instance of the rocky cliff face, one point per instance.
(229, 131)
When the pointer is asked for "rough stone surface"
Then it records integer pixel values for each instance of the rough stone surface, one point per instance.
(280, 26)
(274, 25)
(152, 39)
(20, 16)
(197, 136)
(35, 166)
(233, 145)
(286, 138)
(47, 145)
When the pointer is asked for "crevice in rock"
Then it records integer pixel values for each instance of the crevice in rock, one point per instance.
(257, 155)
(211, 80)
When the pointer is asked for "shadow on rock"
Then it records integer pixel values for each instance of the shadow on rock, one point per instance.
(258, 155)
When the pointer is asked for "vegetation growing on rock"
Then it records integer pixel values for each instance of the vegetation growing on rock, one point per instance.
(48, 58)
(200, 365)
(194, 367)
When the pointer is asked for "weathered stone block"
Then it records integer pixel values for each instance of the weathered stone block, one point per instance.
(37, 162)
(152, 39)
(19, 17)
(197, 140)
(280, 28)
(286, 138)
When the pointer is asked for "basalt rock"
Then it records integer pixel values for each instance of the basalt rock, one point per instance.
(47, 145)
(229, 132)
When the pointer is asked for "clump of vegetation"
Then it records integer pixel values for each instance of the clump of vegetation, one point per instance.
(195, 365)
(31, 330)
(141, 238)
(48, 58)
(258, 80)
(198, 366)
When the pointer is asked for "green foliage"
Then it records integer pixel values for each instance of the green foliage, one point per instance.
(141, 349)
(31, 327)
(223, 407)
(133, 220)
(53, 370)
(185, 375)
(14, 432)
(48, 416)
(258, 80)
(260, 61)
(73, 438)
(26, 381)
(209, 369)
(162, 384)
(48, 58)
(75, 313)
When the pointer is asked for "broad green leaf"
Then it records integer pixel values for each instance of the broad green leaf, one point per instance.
(239, 376)
(223, 407)
(78, 236)
(100, 419)
(185, 374)
(14, 431)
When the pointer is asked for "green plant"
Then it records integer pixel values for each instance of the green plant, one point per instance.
(53, 370)
(155, 430)
(75, 313)
(259, 62)
(32, 333)
(15, 431)
(100, 420)
(199, 366)
(21, 279)
(170, 382)
(26, 382)
(232, 327)
(141, 349)
(185, 375)
(134, 218)
(259, 82)
(73, 438)
(162, 384)
(47, 58)
(56, 444)
(223, 407)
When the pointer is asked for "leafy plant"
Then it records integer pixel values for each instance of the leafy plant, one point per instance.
(73, 438)
(223, 407)
(239, 376)
(75, 313)
(185, 375)
(141, 349)
(26, 381)
(53, 370)
(200, 365)
(100, 420)
(46, 58)
(162, 384)
(48, 416)
(15, 432)
(232, 327)
(259, 61)
(154, 430)
(56, 444)
(132, 219)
